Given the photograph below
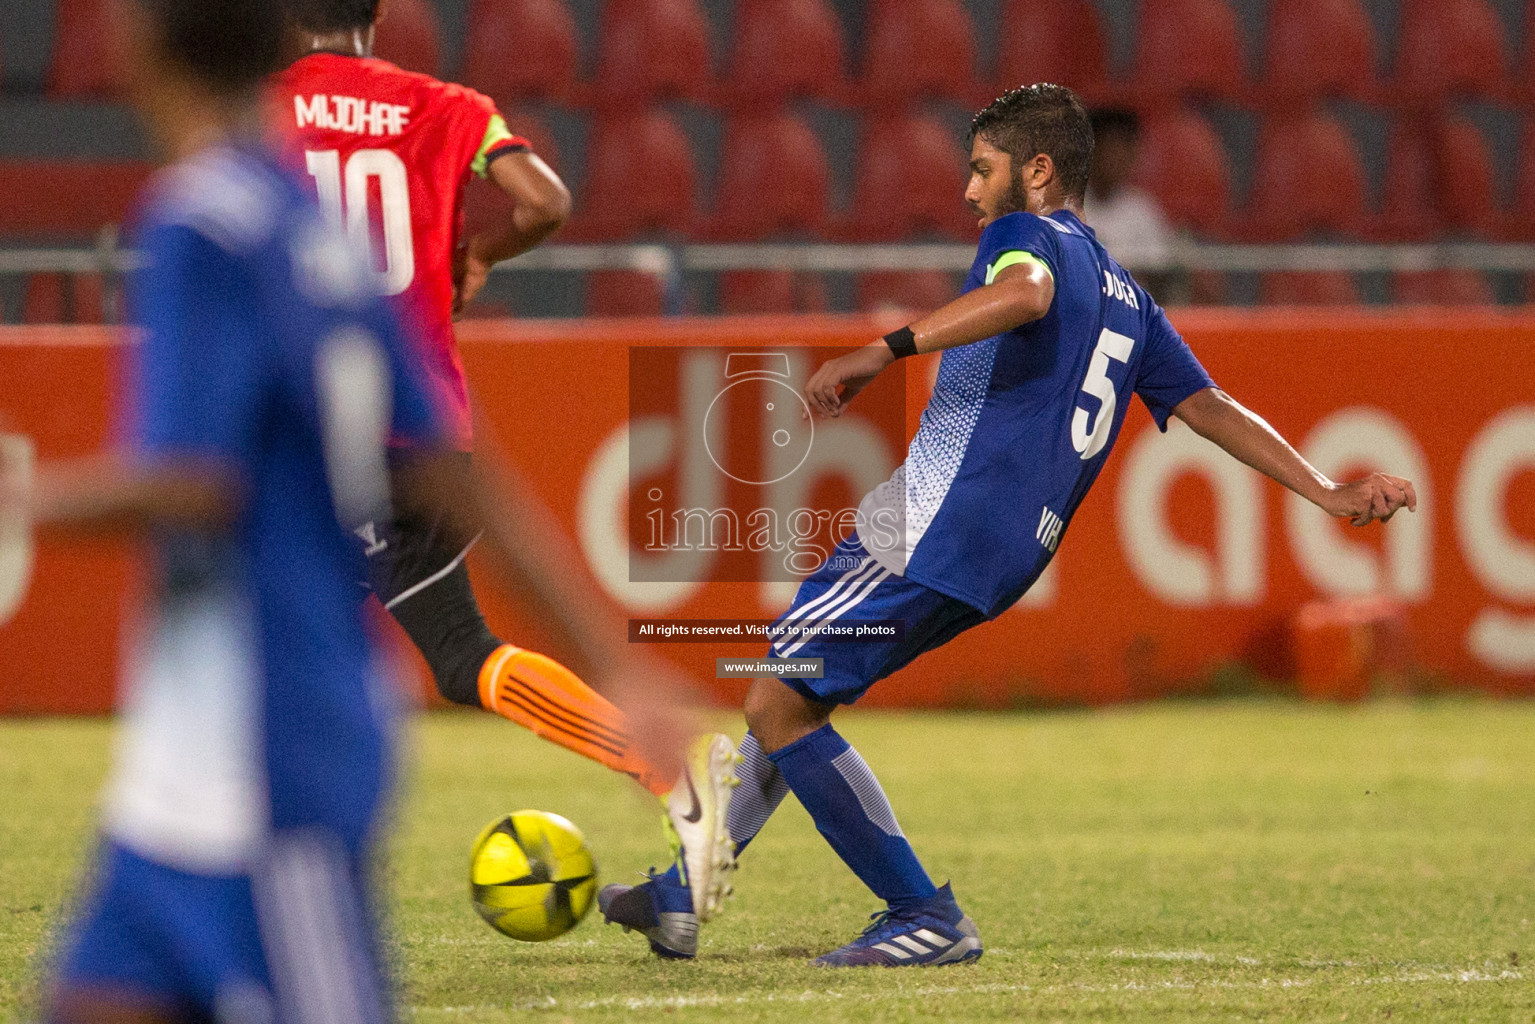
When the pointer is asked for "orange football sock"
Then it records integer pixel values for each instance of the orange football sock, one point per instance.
(540, 694)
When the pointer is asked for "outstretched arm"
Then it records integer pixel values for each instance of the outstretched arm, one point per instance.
(541, 207)
(113, 495)
(1216, 416)
(1020, 294)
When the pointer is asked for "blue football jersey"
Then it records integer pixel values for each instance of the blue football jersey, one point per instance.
(253, 700)
(1019, 425)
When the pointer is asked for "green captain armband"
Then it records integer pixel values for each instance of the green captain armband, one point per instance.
(1013, 258)
(498, 137)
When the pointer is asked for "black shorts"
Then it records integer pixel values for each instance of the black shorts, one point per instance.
(414, 550)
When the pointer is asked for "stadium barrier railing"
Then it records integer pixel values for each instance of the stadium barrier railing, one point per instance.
(670, 264)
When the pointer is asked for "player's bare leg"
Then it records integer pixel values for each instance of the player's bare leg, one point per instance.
(778, 716)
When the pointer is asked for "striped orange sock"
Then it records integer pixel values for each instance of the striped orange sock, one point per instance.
(540, 694)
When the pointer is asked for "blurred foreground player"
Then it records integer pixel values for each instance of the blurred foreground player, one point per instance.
(1042, 353)
(257, 745)
(362, 127)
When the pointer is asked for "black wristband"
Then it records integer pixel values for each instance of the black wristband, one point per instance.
(903, 342)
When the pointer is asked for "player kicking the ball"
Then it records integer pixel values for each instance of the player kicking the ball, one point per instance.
(1041, 354)
(389, 153)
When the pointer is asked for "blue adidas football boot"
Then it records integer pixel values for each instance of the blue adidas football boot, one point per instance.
(933, 932)
(659, 909)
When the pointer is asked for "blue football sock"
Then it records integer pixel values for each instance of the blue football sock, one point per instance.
(850, 809)
(761, 790)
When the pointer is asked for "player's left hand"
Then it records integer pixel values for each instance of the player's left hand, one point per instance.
(852, 373)
(1377, 496)
(469, 276)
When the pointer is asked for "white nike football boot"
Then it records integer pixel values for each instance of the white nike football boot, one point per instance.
(695, 818)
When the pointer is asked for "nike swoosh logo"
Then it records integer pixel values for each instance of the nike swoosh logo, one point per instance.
(698, 810)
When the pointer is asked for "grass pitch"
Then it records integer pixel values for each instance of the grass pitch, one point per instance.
(1250, 860)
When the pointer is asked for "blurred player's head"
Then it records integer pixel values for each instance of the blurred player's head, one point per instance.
(189, 60)
(320, 19)
(227, 47)
(1030, 149)
(1116, 144)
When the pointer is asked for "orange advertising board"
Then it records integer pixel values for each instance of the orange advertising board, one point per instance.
(1179, 562)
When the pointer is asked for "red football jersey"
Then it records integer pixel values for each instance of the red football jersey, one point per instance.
(389, 152)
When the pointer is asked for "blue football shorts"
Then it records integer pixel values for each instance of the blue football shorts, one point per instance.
(291, 944)
(851, 585)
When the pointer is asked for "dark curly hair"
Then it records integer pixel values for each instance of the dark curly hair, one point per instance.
(229, 45)
(332, 15)
(1041, 118)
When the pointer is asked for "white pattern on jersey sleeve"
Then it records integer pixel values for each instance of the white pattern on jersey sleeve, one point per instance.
(916, 491)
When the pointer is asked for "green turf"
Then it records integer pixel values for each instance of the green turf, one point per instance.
(1234, 861)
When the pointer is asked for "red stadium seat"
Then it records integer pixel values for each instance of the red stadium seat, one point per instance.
(1468, 188)
(1440, 179)
(1448, 48)
(85, 57)
(1188, 48)
(785, 49)
(45, 300)
(1209, 288)
(1445, 287)
(1522, 217)
(1307, 179)
(67, 198)
(1057, 41)
(1408, 210)
(410, 35)
(521, 48)
(1316, 49)
(623, 293)
(1317, 288)
(652, 50)
(749, 292)
(917, 49)
(774, 180)
(484, 203)
(64, 299)
(920, 291)
(1525, 89)
(911, 181)
(641, 178)
(1184, 166)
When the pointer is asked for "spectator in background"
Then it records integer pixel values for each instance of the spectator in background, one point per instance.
(1127, 220)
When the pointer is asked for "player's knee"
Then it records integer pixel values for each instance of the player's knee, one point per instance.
(778, 715)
